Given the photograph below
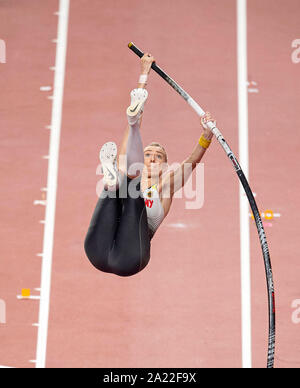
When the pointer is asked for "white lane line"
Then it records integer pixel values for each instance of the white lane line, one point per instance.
(33, 297)
(178, 225)
(45, 88)
(56, 117)
(40, 202)
(244, 161)
(3, 366)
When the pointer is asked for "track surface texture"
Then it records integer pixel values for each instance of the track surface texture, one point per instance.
(184, 308)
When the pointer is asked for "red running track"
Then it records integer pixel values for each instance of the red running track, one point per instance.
(183, 310)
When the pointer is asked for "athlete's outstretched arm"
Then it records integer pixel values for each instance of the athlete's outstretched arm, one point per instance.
(175, 180)
(146, 62)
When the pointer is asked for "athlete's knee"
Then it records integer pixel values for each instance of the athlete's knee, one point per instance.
(99, 262)
(128, 263)
(125, 271)
(96, 257)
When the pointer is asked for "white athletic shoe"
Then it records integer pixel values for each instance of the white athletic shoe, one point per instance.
(108, 159)
(136, 108)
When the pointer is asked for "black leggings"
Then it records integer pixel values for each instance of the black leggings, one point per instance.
(118, 238)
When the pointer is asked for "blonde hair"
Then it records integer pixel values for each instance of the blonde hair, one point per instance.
(156, 144)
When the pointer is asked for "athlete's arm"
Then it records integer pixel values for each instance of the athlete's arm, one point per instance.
(174, 180)
(146, 62)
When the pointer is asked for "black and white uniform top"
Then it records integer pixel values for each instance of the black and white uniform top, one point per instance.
(154, 208)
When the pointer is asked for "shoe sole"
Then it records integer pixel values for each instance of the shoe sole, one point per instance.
(138, 99)
(108, 157)
(137, 95)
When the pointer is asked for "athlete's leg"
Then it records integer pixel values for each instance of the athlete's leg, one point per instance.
(104, 223)
(131, 251)
(134, 150)
(131, 149)
(124, 250)
(102, 230)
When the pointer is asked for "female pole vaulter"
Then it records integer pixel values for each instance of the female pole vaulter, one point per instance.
(122, 226)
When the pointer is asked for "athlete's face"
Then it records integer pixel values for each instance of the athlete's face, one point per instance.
(154, 160)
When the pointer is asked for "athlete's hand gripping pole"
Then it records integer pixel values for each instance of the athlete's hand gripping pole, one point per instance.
(244, 182)
(179, 90)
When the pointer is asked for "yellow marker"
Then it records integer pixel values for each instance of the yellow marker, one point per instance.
(25, 292)
(269, 214)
